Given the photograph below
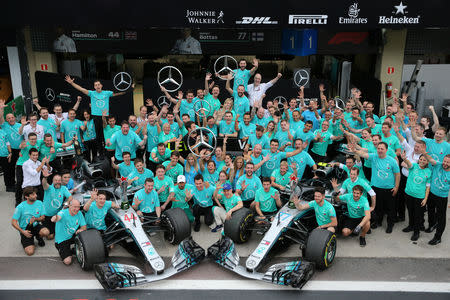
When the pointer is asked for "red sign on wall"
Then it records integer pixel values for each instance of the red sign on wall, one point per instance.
(44, 67)
(390, 70)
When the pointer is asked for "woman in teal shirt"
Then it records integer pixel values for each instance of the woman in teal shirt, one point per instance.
(89, 137)
(237, 171)
(191, 167)
(416, 192)
(271, 130)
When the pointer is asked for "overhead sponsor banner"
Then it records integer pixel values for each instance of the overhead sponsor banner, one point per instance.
(399, 15)
(308, 19)
(210, 17)
(354, 16)
(257, 21)
(295, 41)
(230, 14)
(157, 40)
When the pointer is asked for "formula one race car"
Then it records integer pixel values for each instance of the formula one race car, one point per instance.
(124, 226)
(287, 226)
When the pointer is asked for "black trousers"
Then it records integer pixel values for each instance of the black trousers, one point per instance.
(247, 203)
(140, 153)
(9, 171)
(91, 149)
(19, 181)
(385, 205)
(151, 165)
(415, 212)
(57, 167)
(318, 158)
(368, 173)
(401, 197)
(4, 165)
(100, 139)
(437, 210)
(206, 211)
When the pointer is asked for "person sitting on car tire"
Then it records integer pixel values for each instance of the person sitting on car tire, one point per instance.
(358, 207)
(232, 203)
(55, 195)
(203, 203)
(69, 221)
(182, 192)
(325, 213)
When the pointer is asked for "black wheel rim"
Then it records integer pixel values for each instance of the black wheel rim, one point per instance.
(244, 232)
(330, 250)
(169, 233)
(79, 252)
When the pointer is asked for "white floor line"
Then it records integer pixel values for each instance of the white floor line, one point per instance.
(315, 285)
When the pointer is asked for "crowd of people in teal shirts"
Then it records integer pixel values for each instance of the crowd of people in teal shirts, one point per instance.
(398, 163)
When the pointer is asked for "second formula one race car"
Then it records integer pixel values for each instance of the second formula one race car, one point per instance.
(124, 226)
(287, 226)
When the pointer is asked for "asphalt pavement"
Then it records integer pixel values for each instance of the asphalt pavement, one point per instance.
(390, 266)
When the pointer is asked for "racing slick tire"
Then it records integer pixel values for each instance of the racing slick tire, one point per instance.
(321, 248)
(238, 227)
(89, 248)
(177, 224)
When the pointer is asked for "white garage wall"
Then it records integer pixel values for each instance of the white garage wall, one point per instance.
(437, 82)
(14, 70)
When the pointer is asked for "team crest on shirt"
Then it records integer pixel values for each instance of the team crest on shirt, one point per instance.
(270, 164)
(97, 223)
(439, 183)
(14, 136)
(249, 194)
(55, 203)
(382, 174)
(70, 230)
(418, 180)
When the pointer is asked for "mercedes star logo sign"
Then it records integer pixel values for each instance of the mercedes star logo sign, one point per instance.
(50, 94)
(301, 77)
(340, 103)
(162, 100)
(174, 78)
(202, 106)
(202, 140)
(122, 81)
(226, 63)
(281, 101)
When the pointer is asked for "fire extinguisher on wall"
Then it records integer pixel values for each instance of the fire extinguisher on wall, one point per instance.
(389, 89)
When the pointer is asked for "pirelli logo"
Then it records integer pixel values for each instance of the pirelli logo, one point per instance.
(308, 19)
